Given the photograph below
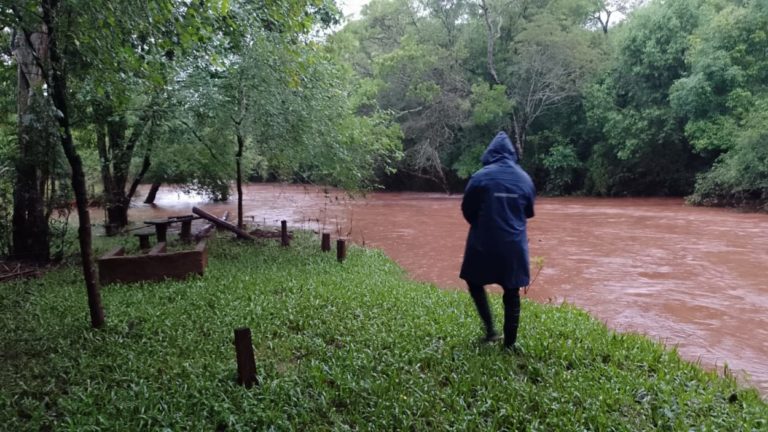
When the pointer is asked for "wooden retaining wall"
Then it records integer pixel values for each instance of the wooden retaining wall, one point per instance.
(156, 265)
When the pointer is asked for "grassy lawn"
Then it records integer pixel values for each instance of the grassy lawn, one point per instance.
(352, 346)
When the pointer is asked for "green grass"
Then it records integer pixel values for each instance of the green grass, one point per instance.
(352, 346)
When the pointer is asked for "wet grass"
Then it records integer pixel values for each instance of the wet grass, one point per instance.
(352, 346)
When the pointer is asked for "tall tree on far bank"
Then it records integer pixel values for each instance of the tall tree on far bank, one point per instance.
(724, 100)
(608, 12)
(644, 149)
(550, 59)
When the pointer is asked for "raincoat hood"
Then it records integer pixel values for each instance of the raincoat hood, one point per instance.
(500, 148)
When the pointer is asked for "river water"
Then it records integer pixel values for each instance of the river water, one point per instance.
(695, 278)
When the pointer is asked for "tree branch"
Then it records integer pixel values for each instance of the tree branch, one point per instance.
(146, 163)
(492, 36)
(199, 139)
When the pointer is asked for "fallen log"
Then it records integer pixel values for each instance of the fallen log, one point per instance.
(20, 273)
(222, 224)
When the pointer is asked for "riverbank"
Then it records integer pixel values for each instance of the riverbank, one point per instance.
(353, 345)
(692, 277)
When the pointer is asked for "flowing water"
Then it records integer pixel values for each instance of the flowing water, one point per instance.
(694, 278)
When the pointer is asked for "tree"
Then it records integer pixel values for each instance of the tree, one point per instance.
(606, 10)
(139, 57)
(549, 66)
(58, 88)
(8, 147)
(34, 117)
(408, 55)
(723, 100)
(68, 28)
(279, 109)
(643, 149)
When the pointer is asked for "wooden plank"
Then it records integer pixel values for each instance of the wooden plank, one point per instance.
(157, 249)
(118, 251)
(186, 229)
(173, 265)
(222, 224)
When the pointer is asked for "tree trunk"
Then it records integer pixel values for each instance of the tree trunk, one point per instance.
(116, 152)
(117, 214)
(58, 88)
(116, 205)
(146, 163)
(492, 35)
(239, 162)
(152, 193)
(30, 225)
(520, 134)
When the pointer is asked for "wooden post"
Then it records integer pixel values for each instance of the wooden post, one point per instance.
(111, 229)
(144, 241)
(246, 364)
(284, 233)
(161, 229)
(186, 229)
(325, 245)
(341, 250)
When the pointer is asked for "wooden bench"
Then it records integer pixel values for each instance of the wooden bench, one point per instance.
(161, 226)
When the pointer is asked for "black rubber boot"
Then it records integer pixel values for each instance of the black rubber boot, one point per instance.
(511, 316)
(483, 309)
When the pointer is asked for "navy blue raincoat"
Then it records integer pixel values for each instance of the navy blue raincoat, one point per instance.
(497, 202)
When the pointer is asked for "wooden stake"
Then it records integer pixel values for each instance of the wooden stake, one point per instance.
(246, 364)
(161, 230)
(186, 229)
(144, 243)
(341, 250)
(284, 233)
(325, 245)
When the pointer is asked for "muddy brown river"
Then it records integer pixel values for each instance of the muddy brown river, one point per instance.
(694, 278)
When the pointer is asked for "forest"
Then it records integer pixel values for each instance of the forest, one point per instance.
(601, 97)
(670, 100)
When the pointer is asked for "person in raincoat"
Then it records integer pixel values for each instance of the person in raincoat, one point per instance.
(497, 202)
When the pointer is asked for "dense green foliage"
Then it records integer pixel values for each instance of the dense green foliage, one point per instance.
(669, 100)
(164, 91)
(672, 93)
(338, 346)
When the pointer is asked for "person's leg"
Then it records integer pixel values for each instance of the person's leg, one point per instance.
(511, 315)
(483, 309)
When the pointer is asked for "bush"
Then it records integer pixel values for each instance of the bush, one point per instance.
(740, 176)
